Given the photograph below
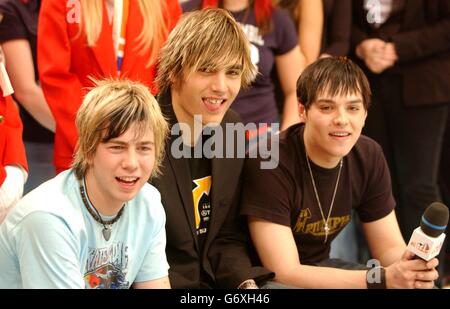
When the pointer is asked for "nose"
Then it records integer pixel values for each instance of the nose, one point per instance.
(130, 160)
(341, 118)
(219, 82)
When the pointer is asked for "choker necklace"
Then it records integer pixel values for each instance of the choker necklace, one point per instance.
(325, 221)
(96, 215)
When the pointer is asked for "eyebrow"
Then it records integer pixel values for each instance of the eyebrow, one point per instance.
(125, 143)
(356, 101)
(235, 67)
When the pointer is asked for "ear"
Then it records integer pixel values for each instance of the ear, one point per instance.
(301, 111)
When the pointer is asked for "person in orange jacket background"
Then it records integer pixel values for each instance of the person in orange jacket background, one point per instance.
(13, 163)
(83, 39)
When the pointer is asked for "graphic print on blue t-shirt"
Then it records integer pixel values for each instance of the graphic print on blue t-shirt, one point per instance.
(106, 268)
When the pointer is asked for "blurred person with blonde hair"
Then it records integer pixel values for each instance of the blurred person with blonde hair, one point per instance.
(96, 38)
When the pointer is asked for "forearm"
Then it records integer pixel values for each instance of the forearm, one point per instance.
(391, 256)
(315, 277)
(33, 100)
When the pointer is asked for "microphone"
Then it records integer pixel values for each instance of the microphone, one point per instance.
(427, 240)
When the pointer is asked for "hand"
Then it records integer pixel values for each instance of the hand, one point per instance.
(410, 273)
(324, 55)
(12, 188)
(249, 284)
(377, 54)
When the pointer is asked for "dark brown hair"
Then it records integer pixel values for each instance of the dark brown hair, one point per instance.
(333, 76)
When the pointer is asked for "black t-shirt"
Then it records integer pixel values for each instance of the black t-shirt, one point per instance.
(285, 195)
(19, 21)
(201, 193)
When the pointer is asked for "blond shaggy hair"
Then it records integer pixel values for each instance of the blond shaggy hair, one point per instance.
(154, 30)
(108, 111)
(206, 39)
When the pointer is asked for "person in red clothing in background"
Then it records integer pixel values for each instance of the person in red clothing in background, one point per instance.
(83, 39)
(13, 163)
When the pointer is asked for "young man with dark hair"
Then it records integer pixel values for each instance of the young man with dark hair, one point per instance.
(326, 168)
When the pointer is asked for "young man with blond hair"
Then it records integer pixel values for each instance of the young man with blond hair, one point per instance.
(99, 224)
(202, 67)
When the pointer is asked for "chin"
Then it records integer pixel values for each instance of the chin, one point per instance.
(212, 119)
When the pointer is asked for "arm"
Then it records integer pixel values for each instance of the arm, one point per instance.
(289, 67)
(153, 273)
(13, 165)
(277, 249)
(28, 93)
(359, 26)
(384, 239)
(387, 245)
(14, 152)
(162, 283)
(310, 28)
(62, 88)
(428, 40)
(48, 253)
(278, 252)
(339, 29)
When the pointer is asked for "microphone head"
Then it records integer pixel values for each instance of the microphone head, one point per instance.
(434, 220)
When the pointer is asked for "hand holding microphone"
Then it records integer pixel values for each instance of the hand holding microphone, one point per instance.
(427, 240)
(416, 269)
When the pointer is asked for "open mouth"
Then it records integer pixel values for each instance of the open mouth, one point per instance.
(127, 180)
(340, 134)
(213, 104)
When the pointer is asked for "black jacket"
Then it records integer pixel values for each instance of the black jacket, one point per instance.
(423, 46)
(225, 261)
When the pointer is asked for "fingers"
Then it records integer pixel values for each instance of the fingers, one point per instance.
(423, 285)
(429, 275)
(411, 262)
(408, 255)
(432, 263)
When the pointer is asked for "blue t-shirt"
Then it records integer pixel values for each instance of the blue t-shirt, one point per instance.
(257, 104)
(49, 240)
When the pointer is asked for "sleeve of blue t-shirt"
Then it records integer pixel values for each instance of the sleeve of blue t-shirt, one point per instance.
(285, 33)
(155, 264)
(48, 253)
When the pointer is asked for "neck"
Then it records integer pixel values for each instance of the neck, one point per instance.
(235, 5)
(317, 156)
(191, 127)
(103, 205)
